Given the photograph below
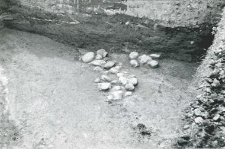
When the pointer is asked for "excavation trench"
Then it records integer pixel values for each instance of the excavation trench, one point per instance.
(53, 100)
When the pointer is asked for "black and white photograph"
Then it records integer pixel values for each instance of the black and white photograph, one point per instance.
(112, 74)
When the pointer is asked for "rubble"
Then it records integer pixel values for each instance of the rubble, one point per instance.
(206, 114)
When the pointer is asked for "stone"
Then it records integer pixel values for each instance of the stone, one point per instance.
(134, 63)
(105, 72)
(128, 94)
(98, 69)
(215, 83)
(98, 63)
(104, 86)
(198, 120)
(123, 80)
(144, 59)
(186, 127)
(98, 57)
(102, 52)
(110, 97)
(133, 81)
(208, 90)
(118, 67)
(109, 64)
(216, 117)
(153, 63)
(129, 87)
(182, 141)
(116, 95)
(114, 81)
(88, 57)
(133, 55)
(97, 80)
(119, 74)
(114, 70)
(198, 112)
(116, 88)
(155, 56)
(106, 78)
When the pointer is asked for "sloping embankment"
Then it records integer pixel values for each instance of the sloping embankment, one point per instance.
(206, 116)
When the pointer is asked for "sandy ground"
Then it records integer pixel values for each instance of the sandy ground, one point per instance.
(55, 103)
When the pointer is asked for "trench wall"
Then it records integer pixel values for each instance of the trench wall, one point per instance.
(179, 29)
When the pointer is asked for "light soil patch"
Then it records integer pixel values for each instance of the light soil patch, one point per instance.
(56, 104)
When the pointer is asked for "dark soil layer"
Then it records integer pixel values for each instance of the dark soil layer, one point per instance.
(206, 115)
(117, 32)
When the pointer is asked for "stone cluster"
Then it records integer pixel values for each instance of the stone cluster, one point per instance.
(113, 79)
(136, 60)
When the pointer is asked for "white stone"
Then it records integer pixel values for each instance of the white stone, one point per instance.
(118, 67)
(216, 83)
(133, 81)
(104, 86)
(97, 80)
(119, 74)
(116, 88)
(198, 120)
(98, 62)
(88, 57)
(216, 117)
(117, 95)
(123, 80)
(128, 94)
(129, 87)
(144, 59)
(98, 69)
(114, 82)
(133, 55)
(109, 64)
(106, 78)
(156, 56)
(114, 70)
(98, 57)
(102, 52)
(134, 63)
(153, 63)
(110, 97)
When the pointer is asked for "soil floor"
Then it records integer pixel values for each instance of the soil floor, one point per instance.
(55, 104)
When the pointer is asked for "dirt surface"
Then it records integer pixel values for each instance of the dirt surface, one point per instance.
(56, 104)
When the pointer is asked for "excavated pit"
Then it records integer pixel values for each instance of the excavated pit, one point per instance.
(53, 101)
